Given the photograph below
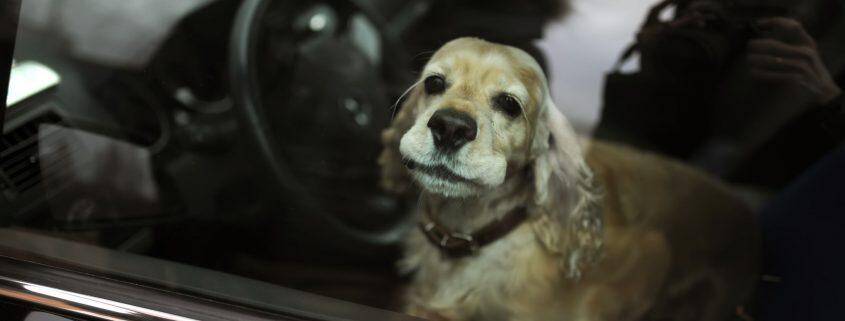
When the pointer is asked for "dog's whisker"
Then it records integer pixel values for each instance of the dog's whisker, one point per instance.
(421, 54)
(395, 107)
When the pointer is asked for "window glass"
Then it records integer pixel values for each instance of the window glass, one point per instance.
(275, 140)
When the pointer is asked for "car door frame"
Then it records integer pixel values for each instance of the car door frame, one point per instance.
(87, 282)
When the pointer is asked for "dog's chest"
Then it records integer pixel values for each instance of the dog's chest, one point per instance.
(499, 274)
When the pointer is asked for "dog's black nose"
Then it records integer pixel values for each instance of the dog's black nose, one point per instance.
(452, 129)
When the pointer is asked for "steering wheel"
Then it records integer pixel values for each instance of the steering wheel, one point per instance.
(275, 130)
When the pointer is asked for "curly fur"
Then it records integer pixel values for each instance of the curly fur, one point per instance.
(612, 234)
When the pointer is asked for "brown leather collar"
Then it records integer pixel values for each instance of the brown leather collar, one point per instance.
(456, 245)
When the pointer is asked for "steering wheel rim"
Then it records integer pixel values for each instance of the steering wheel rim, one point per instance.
(244, 86)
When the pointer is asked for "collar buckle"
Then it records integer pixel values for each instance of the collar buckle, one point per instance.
(453, 244)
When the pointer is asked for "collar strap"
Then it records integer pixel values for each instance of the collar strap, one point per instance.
(457, 245)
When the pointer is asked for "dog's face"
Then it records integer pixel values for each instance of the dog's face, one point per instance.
(475, 112)
(480, 112)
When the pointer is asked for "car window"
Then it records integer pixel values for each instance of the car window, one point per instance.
(333, 147)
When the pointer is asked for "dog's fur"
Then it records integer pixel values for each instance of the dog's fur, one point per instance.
(612, 234)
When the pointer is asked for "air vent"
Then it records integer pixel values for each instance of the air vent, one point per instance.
(19, 156)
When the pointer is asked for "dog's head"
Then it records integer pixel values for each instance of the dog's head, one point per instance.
(480, 113)
(475, 110)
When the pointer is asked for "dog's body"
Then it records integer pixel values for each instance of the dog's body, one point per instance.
(611, 234)
(676, 246)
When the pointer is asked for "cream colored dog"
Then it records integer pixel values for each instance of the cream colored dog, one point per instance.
(610, 233)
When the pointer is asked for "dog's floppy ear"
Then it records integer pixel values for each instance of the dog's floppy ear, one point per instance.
(570, 223)
(394, 176)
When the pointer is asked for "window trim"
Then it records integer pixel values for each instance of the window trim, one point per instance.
(29, 260)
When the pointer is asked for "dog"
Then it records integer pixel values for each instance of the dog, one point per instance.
(520, 219)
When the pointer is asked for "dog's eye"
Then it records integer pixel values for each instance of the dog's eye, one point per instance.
(435, 85)
(507, 104)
